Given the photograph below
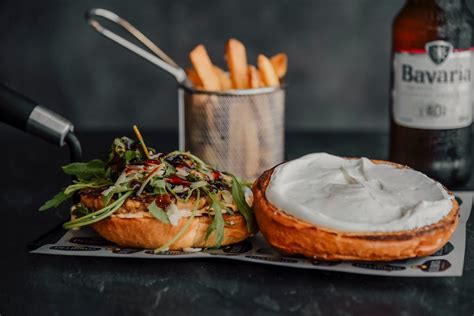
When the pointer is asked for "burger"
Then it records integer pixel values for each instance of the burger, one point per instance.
(140, 198)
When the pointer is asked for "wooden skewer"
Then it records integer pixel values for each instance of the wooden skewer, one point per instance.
(140, 138)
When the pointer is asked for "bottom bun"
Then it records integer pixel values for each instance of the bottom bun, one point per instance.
(292, 236)
(151, 233)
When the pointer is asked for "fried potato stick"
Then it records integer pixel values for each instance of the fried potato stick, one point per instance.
(280, 64)
(237, 63)
(193, 77)
(254, 78)
(226, 83)
(269, 77)
(204, 68)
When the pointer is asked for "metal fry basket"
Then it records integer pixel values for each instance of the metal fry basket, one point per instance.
(240, 131)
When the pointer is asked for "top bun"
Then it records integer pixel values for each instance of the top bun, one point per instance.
(332, 239)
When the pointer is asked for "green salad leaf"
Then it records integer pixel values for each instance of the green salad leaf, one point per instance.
(57, 200)
(87, 171)
(158, 213)
(158, 185)
(169, 170)
(64, 195)
(217, 224)
(80, 210)
(130, 155)
(98, 215)
(115, 189)
(81, 185)
(239, 197)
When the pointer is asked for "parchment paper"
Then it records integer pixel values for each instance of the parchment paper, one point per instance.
(448, 261)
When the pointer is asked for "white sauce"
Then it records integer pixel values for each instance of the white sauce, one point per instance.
(356, 195)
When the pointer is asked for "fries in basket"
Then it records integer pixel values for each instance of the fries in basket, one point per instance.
(204, 75)
(238, 132)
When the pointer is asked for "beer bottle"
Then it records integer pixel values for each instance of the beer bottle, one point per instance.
(470, 18)
(430, 103)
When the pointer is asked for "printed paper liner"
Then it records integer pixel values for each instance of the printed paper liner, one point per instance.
(448, 261)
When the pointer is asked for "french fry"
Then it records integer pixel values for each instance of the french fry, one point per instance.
(237, 63)
(254, 77)
(226, 83)
(204, 68)
(280, 64)
(267, 73)
(193, 77)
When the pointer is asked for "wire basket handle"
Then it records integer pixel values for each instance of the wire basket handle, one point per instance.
(163, 61)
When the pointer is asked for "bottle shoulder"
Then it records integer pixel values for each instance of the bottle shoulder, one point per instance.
(414, 26)
(419, 17)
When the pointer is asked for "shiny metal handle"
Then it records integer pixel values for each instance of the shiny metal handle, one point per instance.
(164, 61)
(49, 125)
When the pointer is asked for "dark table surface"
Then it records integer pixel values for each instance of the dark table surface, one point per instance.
(59, 285)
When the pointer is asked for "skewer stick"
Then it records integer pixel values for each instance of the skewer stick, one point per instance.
(140, 138)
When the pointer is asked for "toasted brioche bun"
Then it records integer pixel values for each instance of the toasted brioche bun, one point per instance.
(292, 236)
(148, 232)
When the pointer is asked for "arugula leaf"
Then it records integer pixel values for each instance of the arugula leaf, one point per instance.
(210, 229)
(107, 198)
(87, 171)
(81, 185)
(199, 184)
(195, 187)
(198, 160)
(81, 210)
(98, 215)
(129, 155)
(62, 196)
(158, 213)
(158, 185)
(217, 224)
(115, 189)
(169, 170)
(239, 198)
(57, 200)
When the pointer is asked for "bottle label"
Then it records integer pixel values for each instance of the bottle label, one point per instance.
(432, 87)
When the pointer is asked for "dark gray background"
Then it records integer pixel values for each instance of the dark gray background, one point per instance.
(338, 57)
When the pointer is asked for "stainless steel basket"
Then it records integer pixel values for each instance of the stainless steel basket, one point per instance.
(240, 131)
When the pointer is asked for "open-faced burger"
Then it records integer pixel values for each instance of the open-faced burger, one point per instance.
(141, 198)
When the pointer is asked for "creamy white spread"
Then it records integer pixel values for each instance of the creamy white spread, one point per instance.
(356, 195)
